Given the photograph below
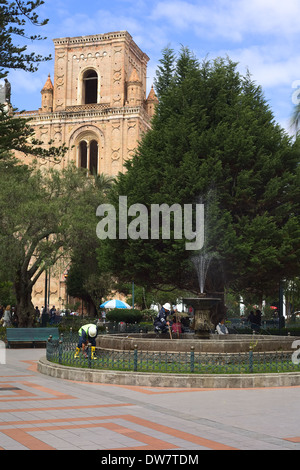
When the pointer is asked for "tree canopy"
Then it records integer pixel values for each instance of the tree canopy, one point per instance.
(213, 140)
(46, 216)
(85, 279)
(14, 16)
(16, 134)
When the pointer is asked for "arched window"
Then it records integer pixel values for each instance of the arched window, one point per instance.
(94, 156)
(90, 87)
(83, 154)
(88, 155)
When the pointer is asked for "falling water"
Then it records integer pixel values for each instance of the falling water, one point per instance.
(201, 262)
(202, 259)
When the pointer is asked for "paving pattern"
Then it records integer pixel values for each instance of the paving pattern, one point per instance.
(38, 412)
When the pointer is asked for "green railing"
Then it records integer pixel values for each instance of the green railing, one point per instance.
(62, 352)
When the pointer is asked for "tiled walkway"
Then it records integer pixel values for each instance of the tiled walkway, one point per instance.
(39, 412)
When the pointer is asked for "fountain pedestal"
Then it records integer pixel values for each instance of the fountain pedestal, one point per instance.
(203, 307)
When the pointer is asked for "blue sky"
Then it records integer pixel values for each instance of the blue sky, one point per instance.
(261, 35)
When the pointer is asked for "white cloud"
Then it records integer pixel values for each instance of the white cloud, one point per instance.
(231, 19)
(259, 34)
(103, 21)
(270, 16)
(269, 65)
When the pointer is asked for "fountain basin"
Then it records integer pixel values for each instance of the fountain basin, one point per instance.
(214, 344)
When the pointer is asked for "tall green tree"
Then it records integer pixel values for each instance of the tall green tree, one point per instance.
(165, 72)
(44, 217)
(85, 279)
(214, 140)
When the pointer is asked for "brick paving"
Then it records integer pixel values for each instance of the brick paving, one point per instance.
(38, 412)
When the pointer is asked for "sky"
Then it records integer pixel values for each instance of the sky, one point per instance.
(261, 35)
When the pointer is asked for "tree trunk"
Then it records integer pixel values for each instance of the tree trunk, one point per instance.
(24, 307)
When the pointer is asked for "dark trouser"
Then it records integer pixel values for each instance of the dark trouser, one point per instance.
(255, 327)
(81, 342)
(158, 325)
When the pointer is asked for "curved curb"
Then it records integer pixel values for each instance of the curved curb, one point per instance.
(288, 379)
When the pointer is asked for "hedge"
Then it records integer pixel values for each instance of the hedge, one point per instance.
(125, 315)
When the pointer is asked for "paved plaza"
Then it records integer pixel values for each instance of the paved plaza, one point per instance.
(38, 412)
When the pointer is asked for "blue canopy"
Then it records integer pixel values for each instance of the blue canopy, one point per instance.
(115, 303)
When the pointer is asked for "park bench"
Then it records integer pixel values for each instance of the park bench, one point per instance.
(30, 335)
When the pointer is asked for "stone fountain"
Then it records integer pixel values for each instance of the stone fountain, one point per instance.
(202, 340)
(203, 308)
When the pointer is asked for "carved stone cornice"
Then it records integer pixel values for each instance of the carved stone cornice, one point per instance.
(85, 111)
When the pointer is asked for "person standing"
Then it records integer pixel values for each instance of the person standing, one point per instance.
(7, 317)
(14, 318)
(255, 320)
(176, 326)
(37, 314)
(52, 315)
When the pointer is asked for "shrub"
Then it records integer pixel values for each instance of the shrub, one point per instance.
(2, 333)
(149, 315)
(125, 315)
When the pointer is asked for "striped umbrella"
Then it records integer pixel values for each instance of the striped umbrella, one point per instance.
(115, 304)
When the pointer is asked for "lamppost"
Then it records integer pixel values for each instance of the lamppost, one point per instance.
(132, 294)
(280, 306)
(46, 290)
(44, 313)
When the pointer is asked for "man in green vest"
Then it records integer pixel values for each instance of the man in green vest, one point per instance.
(87, 334)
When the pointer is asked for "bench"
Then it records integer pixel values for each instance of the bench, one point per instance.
(30, 335)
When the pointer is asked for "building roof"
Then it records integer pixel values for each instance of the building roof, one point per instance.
(134, 76)
(152, 96)
(48, 85)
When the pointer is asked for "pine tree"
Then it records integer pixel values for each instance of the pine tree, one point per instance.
(214, 139)
(13, 19)
(165, 72)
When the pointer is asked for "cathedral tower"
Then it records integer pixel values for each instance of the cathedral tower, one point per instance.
(96, 106)
(97, 102)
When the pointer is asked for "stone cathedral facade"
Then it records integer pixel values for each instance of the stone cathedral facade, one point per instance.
(96, 104)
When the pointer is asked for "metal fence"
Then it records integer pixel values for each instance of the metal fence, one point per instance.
(62, 352)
